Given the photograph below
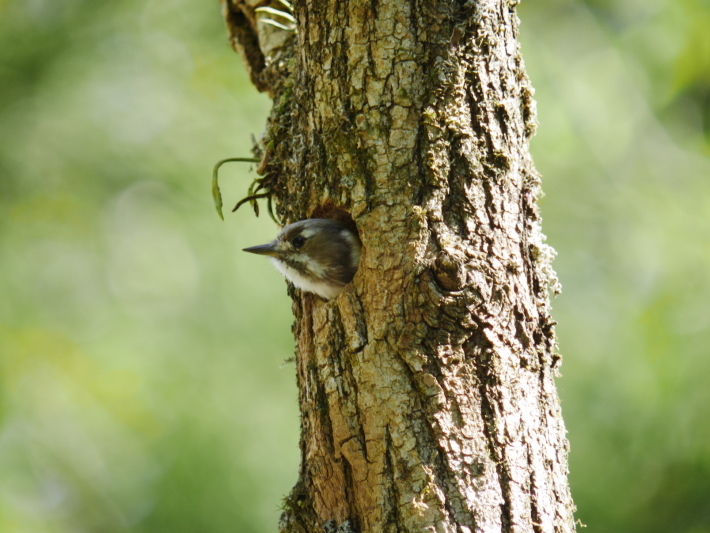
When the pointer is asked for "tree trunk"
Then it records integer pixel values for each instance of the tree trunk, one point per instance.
(427, 388)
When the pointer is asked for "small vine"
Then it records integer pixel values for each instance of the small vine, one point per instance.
(260, 188)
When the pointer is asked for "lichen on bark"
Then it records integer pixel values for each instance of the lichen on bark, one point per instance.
(426, 388)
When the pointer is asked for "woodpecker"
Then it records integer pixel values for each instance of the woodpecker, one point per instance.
(316, 255)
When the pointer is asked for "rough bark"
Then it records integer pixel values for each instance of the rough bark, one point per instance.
(427, 388)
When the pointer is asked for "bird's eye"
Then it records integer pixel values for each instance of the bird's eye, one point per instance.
(298, 241)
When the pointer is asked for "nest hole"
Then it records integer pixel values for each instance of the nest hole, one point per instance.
(333, 212)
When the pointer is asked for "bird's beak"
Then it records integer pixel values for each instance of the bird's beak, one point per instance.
(263, 249)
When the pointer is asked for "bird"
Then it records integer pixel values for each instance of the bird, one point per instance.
(317, 255)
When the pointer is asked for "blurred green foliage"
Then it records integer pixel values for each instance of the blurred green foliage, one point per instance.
(623, 93)
(141, 355)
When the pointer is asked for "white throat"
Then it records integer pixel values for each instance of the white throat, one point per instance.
(321, 288)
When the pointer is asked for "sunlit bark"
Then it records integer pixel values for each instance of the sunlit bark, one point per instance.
(427, 387)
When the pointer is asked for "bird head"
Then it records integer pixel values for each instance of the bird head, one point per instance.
(316, 255)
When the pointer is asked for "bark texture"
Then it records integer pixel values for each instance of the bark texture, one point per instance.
(427, 388)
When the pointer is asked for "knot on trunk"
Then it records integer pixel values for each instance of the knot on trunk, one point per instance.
(449, 272)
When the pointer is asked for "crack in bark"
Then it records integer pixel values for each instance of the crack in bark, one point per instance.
(352, 399)
(246, 41)
(496, 449)
(392, 515)
(350, 490)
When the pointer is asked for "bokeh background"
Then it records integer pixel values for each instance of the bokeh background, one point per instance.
(143, 379)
